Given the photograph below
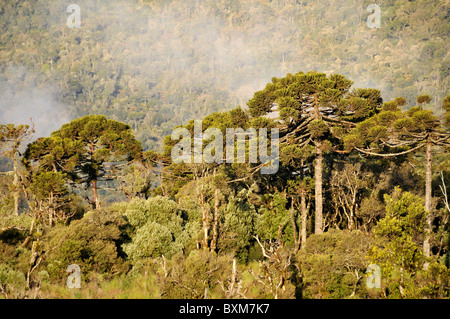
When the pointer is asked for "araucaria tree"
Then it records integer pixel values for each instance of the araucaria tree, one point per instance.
(315, 109)
(89, 150)
(393, 133)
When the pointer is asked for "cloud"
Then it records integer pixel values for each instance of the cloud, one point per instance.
(24, 101)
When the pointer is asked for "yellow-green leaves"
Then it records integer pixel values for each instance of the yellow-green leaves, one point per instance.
(157, 228)
(425, 120)
(317, 128)
(397, 249)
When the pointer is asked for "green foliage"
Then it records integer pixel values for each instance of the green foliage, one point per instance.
(272, 218)
(446, 106)
(424, 120)
(393, 128)
(398, 250)
(423, 99)
(294, 156)
(317, 128)
(433, 283)
(85, 143)
(238, 227)
(187, 277)
(158, 228)
(88, 149)
(402, 228)
(47, 183)
(92, 243)
(54, 153)
(333, 264)
(293, 92)
(51, 194)
(103, 140)
(12, 282)
(142, 86)
(152, 240)
(252, 212)
(182, 60)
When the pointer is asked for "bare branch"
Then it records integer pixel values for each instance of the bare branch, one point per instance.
(264, 252)
(389, 154)
(338, 121)
(443, 188)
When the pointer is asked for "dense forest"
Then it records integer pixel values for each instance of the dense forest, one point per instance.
(157, 64)
(93, 204)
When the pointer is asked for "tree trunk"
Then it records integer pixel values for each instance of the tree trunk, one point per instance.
(16, 188)
(428, 179)
(205, 220)
(304, 217)
(294, 229)
(233, 279)
(51, 212)
(318, 166)
(215, 221)
(30, 233)
(351, 220)
(95, 200)
(402, 281)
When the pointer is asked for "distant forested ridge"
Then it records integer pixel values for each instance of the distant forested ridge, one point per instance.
(94, 204)
(158, 64)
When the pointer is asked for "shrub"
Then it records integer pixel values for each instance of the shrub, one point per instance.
(12, 282)
(91, 242)
(157, 228)
(333, 264)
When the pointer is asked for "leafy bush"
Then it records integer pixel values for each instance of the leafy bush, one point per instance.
(238, 227)
(157, 228)
(333, 264)
(12, 282)
(398, 251)
(188, 277)
(91, 242)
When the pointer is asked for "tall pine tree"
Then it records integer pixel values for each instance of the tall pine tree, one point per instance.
(314, 109)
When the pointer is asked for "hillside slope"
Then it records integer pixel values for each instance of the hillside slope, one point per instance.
(156, 64)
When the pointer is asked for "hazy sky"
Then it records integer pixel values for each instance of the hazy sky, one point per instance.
(24, 101)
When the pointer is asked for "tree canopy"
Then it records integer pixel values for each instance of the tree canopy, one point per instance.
(88, 149)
